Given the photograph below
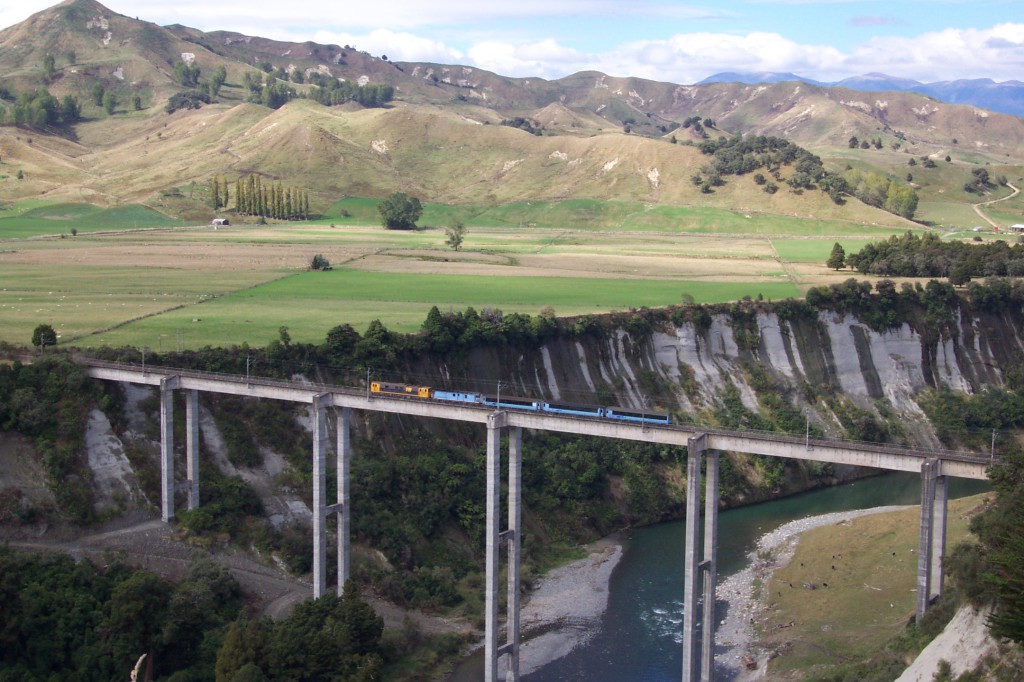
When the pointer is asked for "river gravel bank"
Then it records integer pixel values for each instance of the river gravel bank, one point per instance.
(567, 605)
(736, 641)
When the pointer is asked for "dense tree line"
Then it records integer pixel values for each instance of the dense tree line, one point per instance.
(40, 109)
(271, 93)
(271, 200)
(881, 192)
(330, 91)
(48, 401)
(68, 620)
(529, 125)
(928, 255)
(334, 639)
(219, 193)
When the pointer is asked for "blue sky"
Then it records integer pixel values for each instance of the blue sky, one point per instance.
(659, 39)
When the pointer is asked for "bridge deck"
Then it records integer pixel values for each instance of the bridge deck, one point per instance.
(893, 458)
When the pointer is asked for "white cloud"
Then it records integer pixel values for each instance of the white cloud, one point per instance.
(997, 53)
(399, 47)
(524, 38)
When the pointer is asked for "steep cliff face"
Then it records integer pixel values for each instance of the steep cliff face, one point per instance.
(689, 369)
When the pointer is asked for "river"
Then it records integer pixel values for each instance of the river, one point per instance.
(639, 637)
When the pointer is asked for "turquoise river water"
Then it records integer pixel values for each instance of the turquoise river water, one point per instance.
(639, 636)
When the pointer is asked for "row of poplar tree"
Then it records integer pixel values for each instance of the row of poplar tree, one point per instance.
(252, 197)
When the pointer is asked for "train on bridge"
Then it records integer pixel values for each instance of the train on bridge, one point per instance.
(513, 403)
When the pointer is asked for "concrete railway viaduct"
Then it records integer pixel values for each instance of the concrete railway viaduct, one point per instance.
(700, 568)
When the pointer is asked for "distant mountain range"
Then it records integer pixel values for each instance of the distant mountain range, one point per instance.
(1006, 97)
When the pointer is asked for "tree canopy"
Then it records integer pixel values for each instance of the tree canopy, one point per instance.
(400, 211)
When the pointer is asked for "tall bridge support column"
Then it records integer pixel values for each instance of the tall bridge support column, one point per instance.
(515, 546)
(344, 453)
(694, 450)
(319, 495)
(492, 652)
(492, 538)
(709, 564)
(939, 504)
(695, 568)
(932, 541)
(167, 387)
(192, 447)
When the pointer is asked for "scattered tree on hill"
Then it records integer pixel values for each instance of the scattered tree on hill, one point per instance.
(456, 233)
(188, 99)
(253, 82)
(44, 335)
(97, 94)
(217, 80)
(400, 211)
(49, 68)
(275, 94)
(980, 181)
(40, 109)
(187, 74)
(529, 125)
(854, 142)
(109, 103)
(319, 262)
(136, 102)
(901, 200)
(836, 259)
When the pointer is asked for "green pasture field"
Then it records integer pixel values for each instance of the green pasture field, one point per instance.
(865, 574)
(815, 250)
(948, 214)
(80, 301)
(60, 219)
(310, 303)
(592, 214)
(241, 284)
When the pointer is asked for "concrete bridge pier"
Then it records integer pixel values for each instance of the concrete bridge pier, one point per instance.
(192, 448)
(932, 542)
(319, 494)
(492, 652)
(709, 566)
(515, 546)
(696, 568)
(167, 387)
(344, 453)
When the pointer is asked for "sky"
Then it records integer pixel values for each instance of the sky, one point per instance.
(665, 40)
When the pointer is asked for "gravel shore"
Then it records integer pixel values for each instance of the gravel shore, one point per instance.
(564, 609)
(736, 643)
